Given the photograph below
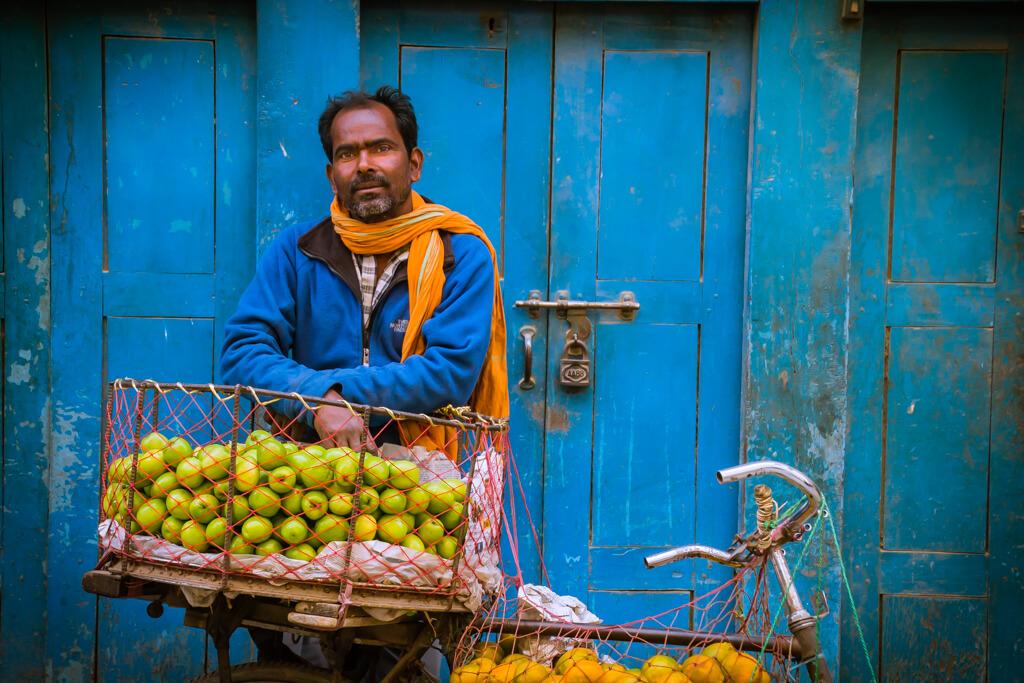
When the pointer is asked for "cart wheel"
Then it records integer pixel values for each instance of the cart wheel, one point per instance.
(270, 672)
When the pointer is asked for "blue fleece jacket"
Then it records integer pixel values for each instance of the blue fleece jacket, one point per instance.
(298, 326)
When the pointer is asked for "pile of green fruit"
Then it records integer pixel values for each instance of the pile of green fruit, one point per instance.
(288, 498)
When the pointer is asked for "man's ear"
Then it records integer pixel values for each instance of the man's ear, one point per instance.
(415, 164)
(330, 179)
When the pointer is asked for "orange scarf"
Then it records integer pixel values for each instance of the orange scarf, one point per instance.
(419, 229)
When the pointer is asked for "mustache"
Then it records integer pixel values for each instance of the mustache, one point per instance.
(361, 181)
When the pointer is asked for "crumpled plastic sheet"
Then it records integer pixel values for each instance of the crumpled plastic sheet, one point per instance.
(375, 562)
(540, 603)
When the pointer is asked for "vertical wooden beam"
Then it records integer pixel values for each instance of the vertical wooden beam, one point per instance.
(76, 154)
(26, 221)
(807, 73)
(306, 50)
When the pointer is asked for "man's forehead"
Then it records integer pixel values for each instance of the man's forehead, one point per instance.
(370, 120)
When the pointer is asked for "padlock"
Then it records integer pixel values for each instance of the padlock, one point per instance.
(575, 370)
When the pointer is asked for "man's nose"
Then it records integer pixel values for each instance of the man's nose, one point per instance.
(365, 161)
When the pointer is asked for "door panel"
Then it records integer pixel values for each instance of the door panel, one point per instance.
(649, 200)
(153, 189)
(939, 382)
(658, 509)
(935, 342)
(946, 177)
(628, 197)
(159, 105)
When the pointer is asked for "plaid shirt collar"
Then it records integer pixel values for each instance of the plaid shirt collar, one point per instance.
(366, 267)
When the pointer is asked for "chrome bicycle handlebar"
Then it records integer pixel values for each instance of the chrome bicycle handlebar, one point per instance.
(731, 558)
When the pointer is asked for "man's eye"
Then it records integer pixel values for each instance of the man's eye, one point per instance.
(384, 148)
(344, 155)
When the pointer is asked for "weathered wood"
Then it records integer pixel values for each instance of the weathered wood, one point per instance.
(1006, 471)
(939, 305)
(646, 200)
(946, 175)
(526, 209)
(905, 573)
(866, 350)
(936, 465)
(158, 97)
(183, 295)
(77, 184)
(465, 177)
(932, 375)
(934, 639)
(364, 595)
(800, 186)
(27, 250)
(306, 51)
(167, 151)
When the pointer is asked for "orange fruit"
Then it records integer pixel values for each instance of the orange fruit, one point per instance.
(718, 651)
(475, 671)
(532, 672)
(703, 669)
(658, 667)
(613, 673)
(504, 673)
(676, 677)
(583, 671)
(745, 669)
(576, 654)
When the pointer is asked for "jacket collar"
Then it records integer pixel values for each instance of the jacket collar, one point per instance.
(322, 244)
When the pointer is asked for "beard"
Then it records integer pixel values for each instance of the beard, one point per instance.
(377, 208)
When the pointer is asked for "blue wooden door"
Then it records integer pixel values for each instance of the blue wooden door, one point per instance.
(153, 157)
(651, 114)
(935, 479)
(646, 145)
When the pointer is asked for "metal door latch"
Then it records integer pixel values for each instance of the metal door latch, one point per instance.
(627, 305)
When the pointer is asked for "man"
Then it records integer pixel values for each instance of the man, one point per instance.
(390, 300)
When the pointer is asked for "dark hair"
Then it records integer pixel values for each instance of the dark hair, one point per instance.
(392, 98)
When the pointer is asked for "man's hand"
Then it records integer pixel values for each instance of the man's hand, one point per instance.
(340, 426)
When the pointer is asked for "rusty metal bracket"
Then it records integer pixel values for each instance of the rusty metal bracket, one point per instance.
(853, 10)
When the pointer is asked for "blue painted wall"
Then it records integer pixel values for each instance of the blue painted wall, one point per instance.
(803, 139)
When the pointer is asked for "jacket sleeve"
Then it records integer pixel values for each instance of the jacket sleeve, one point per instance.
(457, 337)
(258, 338)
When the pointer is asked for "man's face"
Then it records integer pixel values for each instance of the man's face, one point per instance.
(371, 173)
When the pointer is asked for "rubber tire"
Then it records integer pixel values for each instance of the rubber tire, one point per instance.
(270, 672)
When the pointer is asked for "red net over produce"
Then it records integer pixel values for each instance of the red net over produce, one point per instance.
(238, 482)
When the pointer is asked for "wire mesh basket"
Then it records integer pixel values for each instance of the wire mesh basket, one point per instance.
(232, 489)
